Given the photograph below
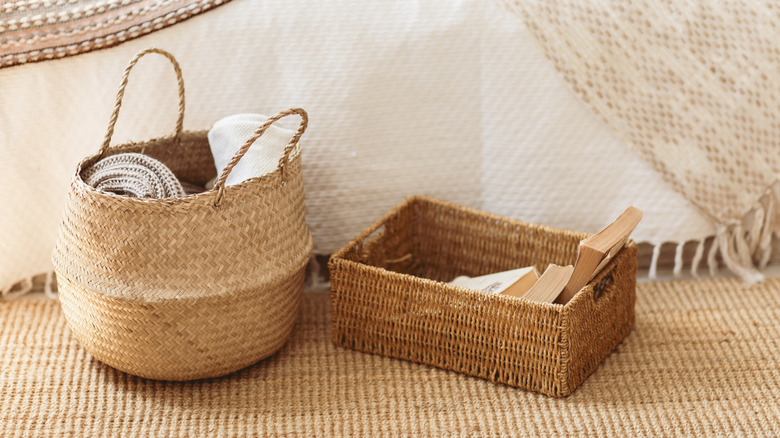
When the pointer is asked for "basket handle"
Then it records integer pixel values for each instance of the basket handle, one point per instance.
(121, 94)
(219, 186)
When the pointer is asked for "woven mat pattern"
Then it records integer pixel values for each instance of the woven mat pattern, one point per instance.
(35, 30)
(702, 361)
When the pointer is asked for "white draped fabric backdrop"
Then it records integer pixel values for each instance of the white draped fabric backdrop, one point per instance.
(445, 98)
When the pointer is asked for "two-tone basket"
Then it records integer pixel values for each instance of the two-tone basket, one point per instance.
(389, 296)
(185, 288)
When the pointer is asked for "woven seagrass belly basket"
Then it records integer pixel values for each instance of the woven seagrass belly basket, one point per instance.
(185, 288)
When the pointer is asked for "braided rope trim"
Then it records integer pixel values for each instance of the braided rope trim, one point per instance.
(100, 31)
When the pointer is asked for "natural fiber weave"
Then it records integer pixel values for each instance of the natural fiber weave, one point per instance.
(35, 30)
(185, 288)
(693, 87)
(702, 361)
(388, 297)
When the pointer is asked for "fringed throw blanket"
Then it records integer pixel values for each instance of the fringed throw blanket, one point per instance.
(694, 88)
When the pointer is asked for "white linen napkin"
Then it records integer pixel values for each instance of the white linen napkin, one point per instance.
(228, 135)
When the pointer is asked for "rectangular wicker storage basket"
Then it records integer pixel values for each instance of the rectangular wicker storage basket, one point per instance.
(389, 297)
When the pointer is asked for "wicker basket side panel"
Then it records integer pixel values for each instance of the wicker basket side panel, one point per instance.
(155, 250)
(599, 317)
(183, 339)
(393, 246)
(456, 241)
(501, 339)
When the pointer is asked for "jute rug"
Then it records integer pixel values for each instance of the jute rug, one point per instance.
(702, 361)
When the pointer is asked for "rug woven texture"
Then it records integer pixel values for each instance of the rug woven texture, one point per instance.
(703, 360)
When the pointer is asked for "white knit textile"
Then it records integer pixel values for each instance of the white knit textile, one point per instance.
(228, 135)
(444, 98)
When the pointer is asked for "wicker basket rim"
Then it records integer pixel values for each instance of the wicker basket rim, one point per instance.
(546, 228)
(411, 200)
(206, 197)
(450, 288)
(416, 199)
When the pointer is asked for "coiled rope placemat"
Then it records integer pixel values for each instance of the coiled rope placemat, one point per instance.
(702, 361)
(134, 175)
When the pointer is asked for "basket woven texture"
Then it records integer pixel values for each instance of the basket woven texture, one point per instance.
(185, 288)
(388, 297)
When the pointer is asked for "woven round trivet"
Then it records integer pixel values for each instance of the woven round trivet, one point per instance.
(191, 287)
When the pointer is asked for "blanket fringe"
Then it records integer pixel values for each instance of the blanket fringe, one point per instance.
(768, 230)
(678, 259)
(17, 290)
(652, 272)
(697, 256)
(49, 284)
(712, 261)
(746, 247)
(731, 242)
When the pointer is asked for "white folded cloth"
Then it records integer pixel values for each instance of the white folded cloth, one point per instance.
(228, 135)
